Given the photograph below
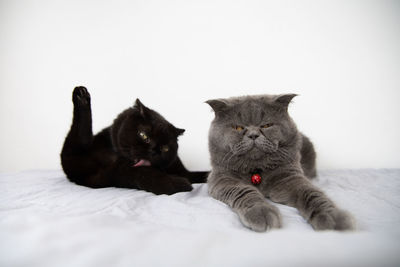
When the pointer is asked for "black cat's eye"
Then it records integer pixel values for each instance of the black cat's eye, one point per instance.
(267, 125)
(165, 148)
(238, 128)
(144, 137)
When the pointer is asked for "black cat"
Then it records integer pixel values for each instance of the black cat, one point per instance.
(139, 150)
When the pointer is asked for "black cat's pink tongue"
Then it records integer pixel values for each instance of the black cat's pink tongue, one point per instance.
(142, 162)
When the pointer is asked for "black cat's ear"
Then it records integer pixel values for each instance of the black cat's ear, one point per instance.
(284, 100)
(220, 106)
(140, 107)
(179, 131)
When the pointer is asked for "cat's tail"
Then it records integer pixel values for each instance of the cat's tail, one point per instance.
(308, 157)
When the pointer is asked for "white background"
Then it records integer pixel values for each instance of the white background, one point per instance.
(341, 57)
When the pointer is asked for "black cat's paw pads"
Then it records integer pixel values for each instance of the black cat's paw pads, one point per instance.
(81, 96)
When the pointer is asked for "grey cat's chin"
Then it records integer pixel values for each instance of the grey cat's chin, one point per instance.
(256, 154)
(267, 146)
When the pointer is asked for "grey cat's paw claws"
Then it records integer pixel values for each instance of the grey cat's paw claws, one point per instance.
(261, 218)
(80, 96)
(334, 220)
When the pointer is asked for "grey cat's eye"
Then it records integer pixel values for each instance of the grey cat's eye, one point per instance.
(267, 125)
(144, 137)
(238, 128)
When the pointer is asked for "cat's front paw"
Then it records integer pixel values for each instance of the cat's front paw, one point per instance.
(172, 184)
(181, 184)
(81, 97)
(333, 220)
(261, 218)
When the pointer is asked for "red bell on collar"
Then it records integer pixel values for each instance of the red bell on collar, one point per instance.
(256, 179)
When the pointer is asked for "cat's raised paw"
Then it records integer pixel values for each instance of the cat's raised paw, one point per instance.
(261, 218)
(81, 96)
(333, 220)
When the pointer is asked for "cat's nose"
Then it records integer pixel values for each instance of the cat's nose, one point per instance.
(253, 135)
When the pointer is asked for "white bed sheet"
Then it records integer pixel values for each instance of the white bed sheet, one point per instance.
(45, 220)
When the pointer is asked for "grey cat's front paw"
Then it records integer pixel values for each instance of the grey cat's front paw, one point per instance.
(261, 218)
(333, 220)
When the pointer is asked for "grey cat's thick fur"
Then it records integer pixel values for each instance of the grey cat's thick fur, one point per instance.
(255, 134)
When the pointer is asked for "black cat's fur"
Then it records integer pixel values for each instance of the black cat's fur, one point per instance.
(139, 150)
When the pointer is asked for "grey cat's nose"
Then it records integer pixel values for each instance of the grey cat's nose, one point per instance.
(253, 135)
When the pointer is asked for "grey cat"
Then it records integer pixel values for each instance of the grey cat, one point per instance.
(257, 152)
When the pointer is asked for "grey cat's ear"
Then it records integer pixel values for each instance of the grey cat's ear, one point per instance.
(284, 100)
(142, 108)
(179, 131)
(218, 105)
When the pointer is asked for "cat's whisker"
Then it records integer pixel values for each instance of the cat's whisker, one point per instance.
(226, 156)
(241, 164)
(229, 159)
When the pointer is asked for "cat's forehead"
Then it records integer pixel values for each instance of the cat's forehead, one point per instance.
(258, 99)
(252, 110)
(161, 128)
(163, 131)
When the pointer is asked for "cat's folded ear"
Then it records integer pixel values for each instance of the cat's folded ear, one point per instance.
(140, 107)
(179, 131)
(220, 106)
(284, 100)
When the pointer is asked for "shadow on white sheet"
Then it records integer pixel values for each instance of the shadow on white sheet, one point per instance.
(47, 221)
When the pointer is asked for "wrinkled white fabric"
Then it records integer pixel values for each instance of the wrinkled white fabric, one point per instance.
(45, 220)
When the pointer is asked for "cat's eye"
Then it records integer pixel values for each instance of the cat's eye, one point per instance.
(267, 125)
(144, 137)
(164, 148)
(238, 128)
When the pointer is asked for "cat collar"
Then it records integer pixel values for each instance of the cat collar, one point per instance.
(256, 179)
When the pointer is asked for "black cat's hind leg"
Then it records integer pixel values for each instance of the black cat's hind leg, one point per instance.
(80, 135)
(75, 155)
(82, 120)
